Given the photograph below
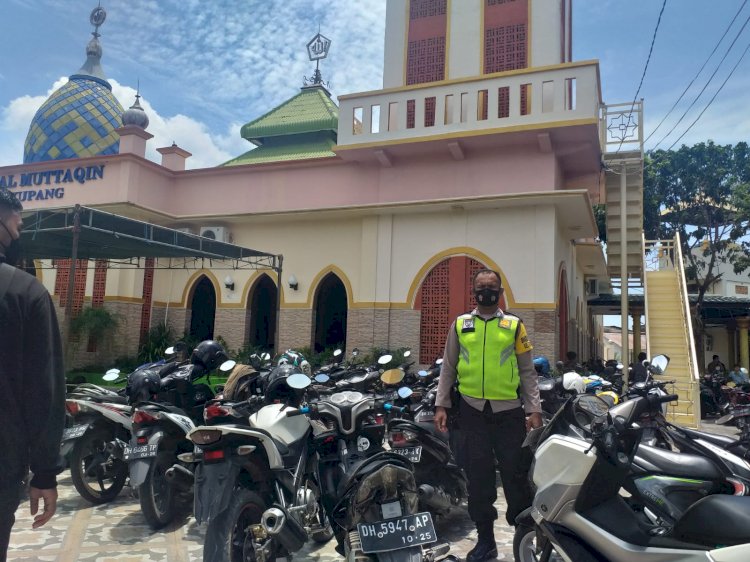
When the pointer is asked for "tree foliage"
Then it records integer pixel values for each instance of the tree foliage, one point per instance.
(701, 192)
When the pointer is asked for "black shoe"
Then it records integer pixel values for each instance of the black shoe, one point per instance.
(486, 549)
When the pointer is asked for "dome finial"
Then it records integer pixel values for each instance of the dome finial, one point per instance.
(135, 115)
(92, 66)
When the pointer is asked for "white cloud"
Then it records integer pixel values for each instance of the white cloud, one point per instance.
(209, 149)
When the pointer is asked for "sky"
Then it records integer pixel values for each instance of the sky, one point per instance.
(206, 67)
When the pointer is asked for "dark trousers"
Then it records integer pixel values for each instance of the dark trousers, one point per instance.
(489, 436)
(10, 497)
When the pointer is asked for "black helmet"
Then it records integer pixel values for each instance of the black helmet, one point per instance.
(142, 385)
(276, 387)
(209, 354)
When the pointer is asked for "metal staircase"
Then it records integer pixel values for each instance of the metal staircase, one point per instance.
(669, 328)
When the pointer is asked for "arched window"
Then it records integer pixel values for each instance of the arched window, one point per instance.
(261, 314)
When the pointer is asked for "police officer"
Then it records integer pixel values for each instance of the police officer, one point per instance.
(490, 353)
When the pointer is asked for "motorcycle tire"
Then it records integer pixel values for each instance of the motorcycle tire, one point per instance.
(157, 498)
(226, 537)
(90, 459)
(524, 547)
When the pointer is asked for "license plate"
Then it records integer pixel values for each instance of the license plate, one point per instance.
(393, 534)
(132, 453)
(74, 432)
(411, 453)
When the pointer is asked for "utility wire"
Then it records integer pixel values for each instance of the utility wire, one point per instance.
(645, 68)
(726, 54)
(713, 98)
(716, 47)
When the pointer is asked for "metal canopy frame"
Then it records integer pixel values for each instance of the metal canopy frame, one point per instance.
(84, 233)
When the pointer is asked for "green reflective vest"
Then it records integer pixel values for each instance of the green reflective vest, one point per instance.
(487, 365)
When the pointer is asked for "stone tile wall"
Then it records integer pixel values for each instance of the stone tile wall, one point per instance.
(231, 324)
(295, 327)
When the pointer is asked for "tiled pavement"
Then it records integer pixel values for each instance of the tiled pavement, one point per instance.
(117, 532)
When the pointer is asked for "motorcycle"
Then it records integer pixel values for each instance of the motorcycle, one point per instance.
(257, 483)
(98, 424)
(578, 511)
(167, 402)
(370, 494)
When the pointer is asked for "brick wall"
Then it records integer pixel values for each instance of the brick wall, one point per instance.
(230, 324)
(295, 327)
(541, 326)
(383, 328)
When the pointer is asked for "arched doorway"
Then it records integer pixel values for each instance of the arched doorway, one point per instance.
(445, 294)
(203, 310)
(563, 315)
(331, 307)
(261, 327)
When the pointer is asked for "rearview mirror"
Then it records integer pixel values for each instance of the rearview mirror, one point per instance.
(404, 392)
(298, 381)
(227, 365)
(266, 356)
(423, 373)
(169, 351)
(439, 361)
(659, 364)
(111, 375)
(336, 353)
(407, 353)
(322, 378)
(385, 359)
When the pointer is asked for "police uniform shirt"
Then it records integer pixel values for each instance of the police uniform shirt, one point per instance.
(528, 384)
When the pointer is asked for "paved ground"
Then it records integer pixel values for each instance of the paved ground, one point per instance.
(117, 532)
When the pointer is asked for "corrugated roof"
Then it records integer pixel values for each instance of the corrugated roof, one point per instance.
(309, 111)
(296, 149)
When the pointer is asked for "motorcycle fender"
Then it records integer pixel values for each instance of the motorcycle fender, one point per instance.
(214, 485)
(525, 518)
(139, 468)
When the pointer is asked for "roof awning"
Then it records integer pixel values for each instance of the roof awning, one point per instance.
(51, 234)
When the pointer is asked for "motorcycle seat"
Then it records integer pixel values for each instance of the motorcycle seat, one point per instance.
(716, 520)
(368, 466)
(722, 441)
(112, 398)
(680, 465)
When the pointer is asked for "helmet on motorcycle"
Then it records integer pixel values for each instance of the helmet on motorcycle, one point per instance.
(541, 364)
(209, 354)
(573, 382)
(295, 358)
(142, 385)
(277, 389)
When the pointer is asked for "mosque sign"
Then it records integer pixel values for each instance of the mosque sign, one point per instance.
(49, 184)
(318, 47)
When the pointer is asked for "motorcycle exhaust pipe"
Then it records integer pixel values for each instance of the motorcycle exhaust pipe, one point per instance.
(434, 498)
(290, 534)
(179, 477)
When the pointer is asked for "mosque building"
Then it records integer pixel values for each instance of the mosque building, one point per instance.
(482, 149)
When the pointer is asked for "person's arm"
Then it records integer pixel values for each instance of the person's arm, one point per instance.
(448, 370)
(44, 388)
(529, 379)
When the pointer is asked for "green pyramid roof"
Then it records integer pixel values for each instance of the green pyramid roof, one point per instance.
(303, 147)
(310, 111)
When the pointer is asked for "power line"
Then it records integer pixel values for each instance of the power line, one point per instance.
(645, 68)
(716, 47)
(714, 96)
(710, 78)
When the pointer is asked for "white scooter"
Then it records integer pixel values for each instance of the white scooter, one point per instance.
(578, 514)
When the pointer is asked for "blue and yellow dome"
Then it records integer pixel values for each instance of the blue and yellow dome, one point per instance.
(79, 119)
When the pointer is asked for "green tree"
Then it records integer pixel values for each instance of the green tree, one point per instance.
(701, 192)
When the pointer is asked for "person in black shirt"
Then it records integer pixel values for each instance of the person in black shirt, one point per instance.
(639, 372)
(32, 383)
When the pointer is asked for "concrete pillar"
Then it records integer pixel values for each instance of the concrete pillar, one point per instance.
(743, 324)
(173, 157)
(731, 348)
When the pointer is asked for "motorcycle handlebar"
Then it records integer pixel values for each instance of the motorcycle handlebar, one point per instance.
(655, 401)
(300, 412)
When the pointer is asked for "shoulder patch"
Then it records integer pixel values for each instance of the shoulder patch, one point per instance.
(506, 323)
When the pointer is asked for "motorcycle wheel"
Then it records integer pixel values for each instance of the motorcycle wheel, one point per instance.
(524, 546)
(228, 538)
(97, 476)
(158, 499)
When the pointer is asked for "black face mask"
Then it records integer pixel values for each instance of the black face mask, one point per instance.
(13, 253)
(487, 296)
